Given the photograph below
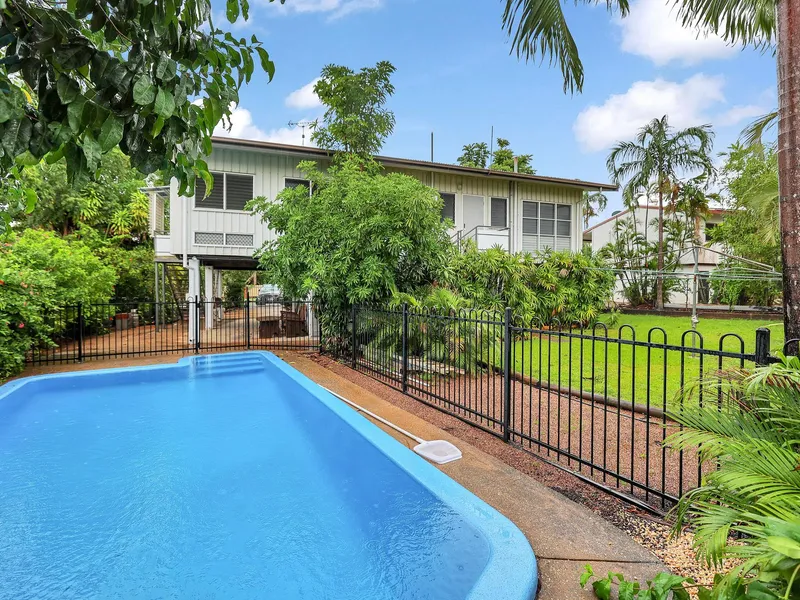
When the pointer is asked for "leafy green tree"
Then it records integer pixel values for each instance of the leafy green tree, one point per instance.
(82, 77)
(751, 228)
(111, 202)
(355, 119)
(503, 159)
(474, 155)
(661, 155)
(361, 237)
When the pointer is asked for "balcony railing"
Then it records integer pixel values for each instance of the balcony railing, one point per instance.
(485, 237)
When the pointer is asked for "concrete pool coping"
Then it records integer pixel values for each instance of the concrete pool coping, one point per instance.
(563, 534)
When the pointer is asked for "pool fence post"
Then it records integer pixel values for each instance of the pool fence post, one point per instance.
(762, 347)
(80, 332)
(247, 316)
(197, 324)
(507, 375)
(404, 372)
(354, 340)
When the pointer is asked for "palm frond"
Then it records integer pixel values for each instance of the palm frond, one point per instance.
(538, 29)
(745, 22)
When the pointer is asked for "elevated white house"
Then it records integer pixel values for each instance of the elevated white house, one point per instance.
(515, 210)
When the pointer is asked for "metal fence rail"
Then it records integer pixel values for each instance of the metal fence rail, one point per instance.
(146, 328)
(590, 402)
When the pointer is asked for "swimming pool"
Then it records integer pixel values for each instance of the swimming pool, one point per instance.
(231, 476)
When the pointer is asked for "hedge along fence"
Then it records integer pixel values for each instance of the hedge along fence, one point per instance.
(570, 395)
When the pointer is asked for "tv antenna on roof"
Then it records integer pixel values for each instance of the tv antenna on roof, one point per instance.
(303, 125)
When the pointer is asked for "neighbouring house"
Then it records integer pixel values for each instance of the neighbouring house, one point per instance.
(513, 210)
(708, 257)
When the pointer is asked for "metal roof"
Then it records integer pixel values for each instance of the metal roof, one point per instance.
(418, 164)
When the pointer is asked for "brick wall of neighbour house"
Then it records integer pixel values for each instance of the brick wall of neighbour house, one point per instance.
(218, 231)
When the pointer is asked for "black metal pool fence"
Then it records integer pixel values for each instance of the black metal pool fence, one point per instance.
(588, 401)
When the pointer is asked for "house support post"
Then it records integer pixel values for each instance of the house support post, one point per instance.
(192, 298)
(209, 297)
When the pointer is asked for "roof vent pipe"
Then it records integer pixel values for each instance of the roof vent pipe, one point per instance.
(516, 165)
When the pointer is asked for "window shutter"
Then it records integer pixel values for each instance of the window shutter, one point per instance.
(215, 198)
(498, 212)
(238, 191)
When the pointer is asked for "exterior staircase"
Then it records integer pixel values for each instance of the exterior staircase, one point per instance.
(178, 282)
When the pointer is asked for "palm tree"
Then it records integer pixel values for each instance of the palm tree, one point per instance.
(538, 29)
(750, 437)
(659, 155)
(593, 204)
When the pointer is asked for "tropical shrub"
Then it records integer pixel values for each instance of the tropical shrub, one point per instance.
(362, 236)
(25, 297)
(634, 256)
(540, 289)
(77, 274)
(751, 434)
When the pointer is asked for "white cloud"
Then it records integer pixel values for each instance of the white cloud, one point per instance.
(242, 127)
(304, 97)
(737, 114)
(336, 9)
(652, 29)
(621, 115)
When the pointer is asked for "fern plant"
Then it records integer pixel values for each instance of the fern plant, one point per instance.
(749, 427)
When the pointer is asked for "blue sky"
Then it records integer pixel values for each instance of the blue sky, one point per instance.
(455, 77)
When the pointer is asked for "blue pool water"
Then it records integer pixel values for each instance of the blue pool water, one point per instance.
(231, 477)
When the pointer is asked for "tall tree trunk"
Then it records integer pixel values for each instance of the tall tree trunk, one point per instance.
(789, 159)
(660, 275)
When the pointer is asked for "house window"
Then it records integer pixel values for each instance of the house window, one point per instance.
(449, 206)
(231, 191)
(546, 225)
(293, 183)
(498, 217)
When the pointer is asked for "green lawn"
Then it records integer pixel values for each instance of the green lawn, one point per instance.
(628, 371)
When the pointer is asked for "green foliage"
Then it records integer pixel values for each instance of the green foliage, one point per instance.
(751, 229)
(635, 257)
(541, 289)
(593, 204)
(77, 274)
(477, 155)
(503, 159)
(133, 269)
(539, 30)
(361, 237)
(81, 77)
(112, 202)
(355, 119)
(662, 587)
(474, 155)
(751, 433)
(233, 284)
(657, 158)
(24, 299)
(41, 273)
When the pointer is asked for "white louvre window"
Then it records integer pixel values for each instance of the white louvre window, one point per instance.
(449, 206)
(231, 191)
(208, 238)
(239, 239)
(290, 182)
(546, 225)
(498, 212)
